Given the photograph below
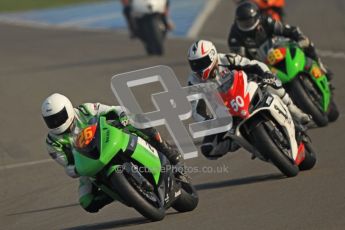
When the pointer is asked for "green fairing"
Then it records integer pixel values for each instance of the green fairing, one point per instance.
(90, 167)
(114, 141)
(293, 66)
(149, 160)
(296, 65)
(322, 83)
(146, 158)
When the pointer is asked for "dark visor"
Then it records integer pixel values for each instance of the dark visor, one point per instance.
(200, 64)
(57, 119)
(246, 24)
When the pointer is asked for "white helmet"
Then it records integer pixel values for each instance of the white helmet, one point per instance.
(202, 56)
(58, 113)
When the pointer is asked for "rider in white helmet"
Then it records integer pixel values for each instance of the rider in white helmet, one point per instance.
(209, 65)
(62, 118)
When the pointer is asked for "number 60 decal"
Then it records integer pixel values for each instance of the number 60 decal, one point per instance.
(237, 103)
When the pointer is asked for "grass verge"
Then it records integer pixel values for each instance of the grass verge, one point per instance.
(22, 5)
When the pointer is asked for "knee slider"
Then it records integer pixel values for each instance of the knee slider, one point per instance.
(88, 204)
(92, 208)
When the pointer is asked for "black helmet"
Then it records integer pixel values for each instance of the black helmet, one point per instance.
(247, 16)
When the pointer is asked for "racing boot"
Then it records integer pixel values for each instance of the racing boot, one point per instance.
(217, 145)
(297, 114)
(174, 156)
(154, 138)
(91, 198)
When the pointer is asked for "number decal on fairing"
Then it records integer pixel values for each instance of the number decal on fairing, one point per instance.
(86, 136)
(274, 56)
(237, 103)
(316, 72)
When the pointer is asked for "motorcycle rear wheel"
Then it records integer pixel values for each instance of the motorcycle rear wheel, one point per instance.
(151, 34)
(188, 199)
(333, 111)
(306, 101)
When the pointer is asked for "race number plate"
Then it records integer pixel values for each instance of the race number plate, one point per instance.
(275, 55)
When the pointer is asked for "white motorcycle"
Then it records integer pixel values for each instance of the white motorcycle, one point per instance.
(263, 125)
(150, 25)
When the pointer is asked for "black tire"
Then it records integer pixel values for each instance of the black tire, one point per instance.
(152, 34)
(188, 199)
(270, 150)
(310, 158)
(305, 102)
(132, 197)
(333, 112)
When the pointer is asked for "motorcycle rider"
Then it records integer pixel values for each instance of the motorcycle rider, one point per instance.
(63, 120)
(251, 30)
(208, 65)
(127, 11)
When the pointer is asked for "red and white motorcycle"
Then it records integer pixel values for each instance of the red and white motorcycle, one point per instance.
(263, 125)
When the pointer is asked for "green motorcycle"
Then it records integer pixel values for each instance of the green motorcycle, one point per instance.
(303, 79)
(130, 170)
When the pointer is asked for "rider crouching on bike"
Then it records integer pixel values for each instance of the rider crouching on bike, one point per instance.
(251, 29)
(62, 120)
(209, 65)
(127, 12)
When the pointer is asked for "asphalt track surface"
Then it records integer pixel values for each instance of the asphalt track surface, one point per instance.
(251, 195)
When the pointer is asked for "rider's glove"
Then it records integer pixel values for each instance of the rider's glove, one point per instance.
(269, 78)
(124, 119)
(303, 42)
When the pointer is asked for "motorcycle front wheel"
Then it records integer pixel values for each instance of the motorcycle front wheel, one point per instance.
(135, 197)
(271, 151)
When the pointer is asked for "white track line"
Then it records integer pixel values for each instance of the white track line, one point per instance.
(88, 20)
(331, 54)
(202, 17)
(30, 163)
(20, 22)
